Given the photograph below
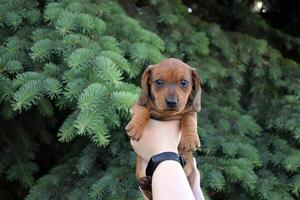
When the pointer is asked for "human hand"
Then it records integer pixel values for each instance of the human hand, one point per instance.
(162, 136)
(158, 137)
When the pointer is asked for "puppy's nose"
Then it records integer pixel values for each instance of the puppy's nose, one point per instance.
(171, 102)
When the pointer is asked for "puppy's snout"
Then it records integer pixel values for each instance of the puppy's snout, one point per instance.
(171, 102)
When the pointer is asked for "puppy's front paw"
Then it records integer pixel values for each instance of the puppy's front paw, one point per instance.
(189, 142)
(134, 130)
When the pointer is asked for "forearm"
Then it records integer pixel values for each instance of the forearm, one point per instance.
(199, 195)
(196, 187)
(170, 182)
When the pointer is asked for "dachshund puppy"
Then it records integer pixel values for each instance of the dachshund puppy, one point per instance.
(170, 90)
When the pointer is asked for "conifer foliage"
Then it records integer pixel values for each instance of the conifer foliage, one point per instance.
(70, 71)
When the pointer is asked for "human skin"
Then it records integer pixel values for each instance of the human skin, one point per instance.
(169, 180)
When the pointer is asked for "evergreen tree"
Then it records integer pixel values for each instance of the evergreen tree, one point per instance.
(70, 71)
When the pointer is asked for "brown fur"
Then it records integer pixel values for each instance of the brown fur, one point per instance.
(152, 104)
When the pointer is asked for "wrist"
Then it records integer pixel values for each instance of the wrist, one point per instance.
(166, 149)
(157, 159)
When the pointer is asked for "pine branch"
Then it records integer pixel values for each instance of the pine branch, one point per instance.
(28, 95)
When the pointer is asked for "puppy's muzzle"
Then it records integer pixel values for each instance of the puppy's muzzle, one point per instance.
(171, 102)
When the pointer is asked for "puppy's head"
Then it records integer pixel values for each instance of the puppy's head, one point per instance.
(171, 85)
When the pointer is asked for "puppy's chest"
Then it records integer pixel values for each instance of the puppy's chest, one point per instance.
(164, 117)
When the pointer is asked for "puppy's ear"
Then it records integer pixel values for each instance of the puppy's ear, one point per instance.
(197, 91)
(143, 99)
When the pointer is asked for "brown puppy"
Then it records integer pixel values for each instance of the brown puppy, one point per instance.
(170, 90)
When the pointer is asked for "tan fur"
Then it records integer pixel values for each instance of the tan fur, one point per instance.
(152, 104)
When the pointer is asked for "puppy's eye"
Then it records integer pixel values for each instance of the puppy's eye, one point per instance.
(183, 83)
(159, 82)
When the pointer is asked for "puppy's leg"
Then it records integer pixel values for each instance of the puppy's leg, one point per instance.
(189, 163)
(189, 137)
(193, 176)
(190, 170)
(145, 182)
(140, 116)
(140, 167)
